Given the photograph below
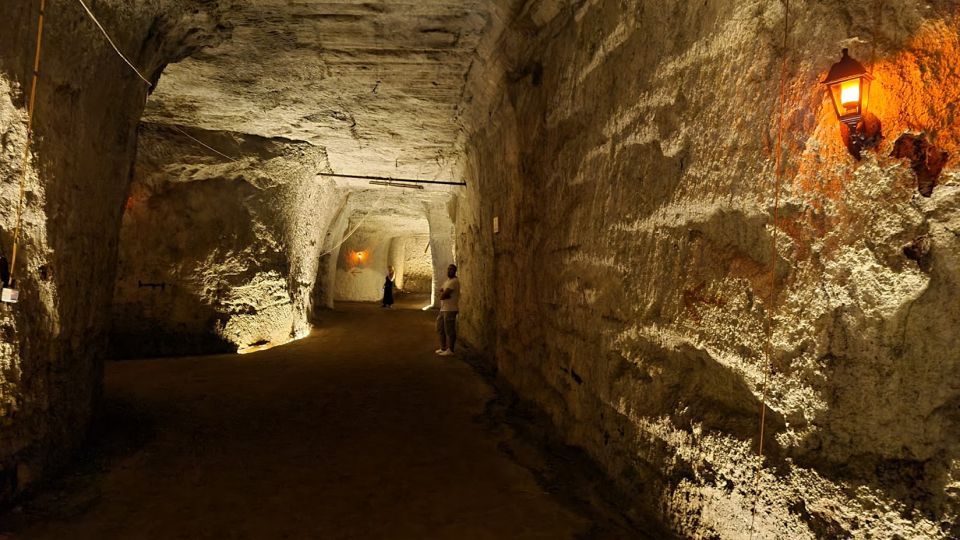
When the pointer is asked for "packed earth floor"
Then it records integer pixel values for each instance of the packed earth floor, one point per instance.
(357, 431)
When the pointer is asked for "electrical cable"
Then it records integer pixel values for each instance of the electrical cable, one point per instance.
(392, 179)
(376, 207)
(114, 45)
(144, 79)
(139, 74)
(768, 346)
(31, 107)
(201, 143)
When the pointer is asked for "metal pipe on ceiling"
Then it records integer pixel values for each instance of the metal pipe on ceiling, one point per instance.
(395, 184)
(388, 179)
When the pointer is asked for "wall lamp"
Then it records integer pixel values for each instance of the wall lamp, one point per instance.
(849, 85)
(359, 257)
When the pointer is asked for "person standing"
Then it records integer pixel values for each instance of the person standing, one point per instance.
(449, 308)
(388, 289)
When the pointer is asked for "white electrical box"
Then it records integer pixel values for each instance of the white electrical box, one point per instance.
(10, 296)
(496, 225)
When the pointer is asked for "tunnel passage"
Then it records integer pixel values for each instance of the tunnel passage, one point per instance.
(224, 255)
(410, 232)
(658, 203)
(365, 257)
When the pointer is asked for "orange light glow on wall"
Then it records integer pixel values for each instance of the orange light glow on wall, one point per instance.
(359, 258)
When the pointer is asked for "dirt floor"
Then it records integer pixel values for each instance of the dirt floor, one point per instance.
(358, 431)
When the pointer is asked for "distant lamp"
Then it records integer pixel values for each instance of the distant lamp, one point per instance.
(849, 85)
(358, 258)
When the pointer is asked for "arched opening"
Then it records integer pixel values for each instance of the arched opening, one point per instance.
(397, 229)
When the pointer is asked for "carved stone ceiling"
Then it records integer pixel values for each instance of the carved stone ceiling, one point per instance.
(376, 84)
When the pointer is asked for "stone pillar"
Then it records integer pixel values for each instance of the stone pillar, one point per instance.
(398, 249)
(440, 219)
(324, 288)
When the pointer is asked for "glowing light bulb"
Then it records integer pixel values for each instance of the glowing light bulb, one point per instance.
(850, 93)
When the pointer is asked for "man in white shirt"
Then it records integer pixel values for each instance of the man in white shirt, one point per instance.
(449, 307)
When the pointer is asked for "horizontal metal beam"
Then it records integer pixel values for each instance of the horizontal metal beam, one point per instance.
(395, 184)
(388, 179)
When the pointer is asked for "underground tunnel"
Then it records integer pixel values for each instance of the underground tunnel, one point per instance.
(706, 262)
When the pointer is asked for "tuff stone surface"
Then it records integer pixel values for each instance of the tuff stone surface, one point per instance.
(629, 151)
(52, 342)
(646, 288)
(375, 83)
(417, 265)
(218, 254)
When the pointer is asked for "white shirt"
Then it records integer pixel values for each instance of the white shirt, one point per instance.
(452, 303)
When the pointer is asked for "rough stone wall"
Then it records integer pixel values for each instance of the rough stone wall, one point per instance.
(361, 280)
(440, 216)
(417, 265)
(381, 218)
(398, 247)
(324, 290)
(219, 255)
(630, 157)
(376, 83)
(88, 106)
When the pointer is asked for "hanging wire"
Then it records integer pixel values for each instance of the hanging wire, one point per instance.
(31, 107)
(376, 206)
(144, 79)
(201, 143)
(114, 45)
(768, 345)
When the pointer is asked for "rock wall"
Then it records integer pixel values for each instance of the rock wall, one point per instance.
(88, 107)
(362, 266)
(219, 254)
(362, 280)
(386, 227)
(417, 265)
(440, 216)
(325, 288)
(630, 152)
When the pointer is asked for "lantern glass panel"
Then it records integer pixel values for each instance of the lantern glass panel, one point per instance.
(849, 97)
(850, 94)
(864, 93)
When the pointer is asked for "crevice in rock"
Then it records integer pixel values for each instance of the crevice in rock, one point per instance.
(926, 160)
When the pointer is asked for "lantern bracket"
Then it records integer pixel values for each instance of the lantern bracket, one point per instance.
(861, 135)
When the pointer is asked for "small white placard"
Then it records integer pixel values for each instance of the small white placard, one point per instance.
(10, 296)
(496, 225)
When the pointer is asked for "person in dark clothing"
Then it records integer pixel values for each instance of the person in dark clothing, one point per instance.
(388, 289)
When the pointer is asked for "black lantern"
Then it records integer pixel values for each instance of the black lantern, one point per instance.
(849, 85)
